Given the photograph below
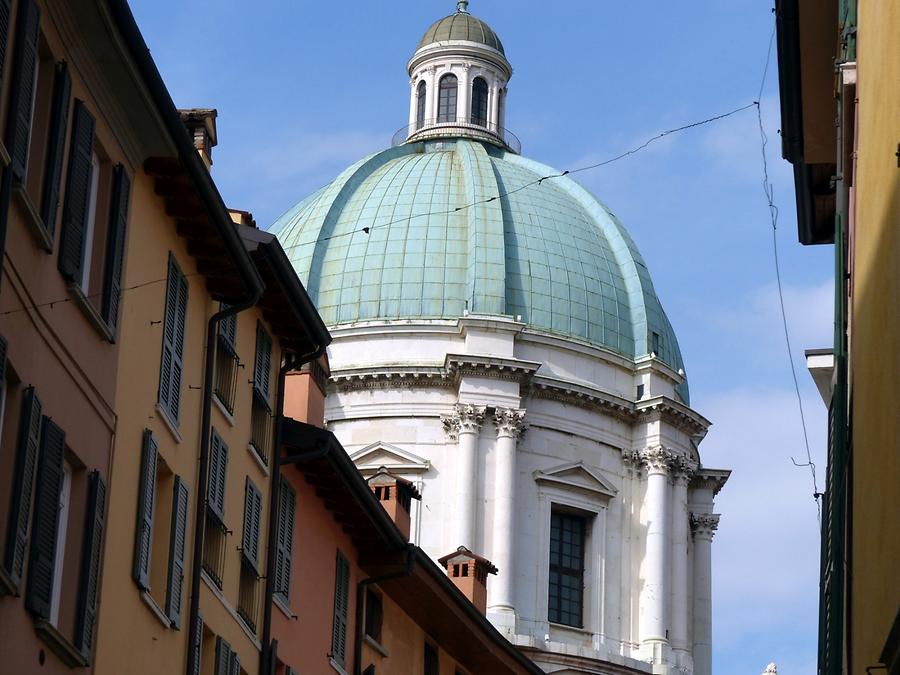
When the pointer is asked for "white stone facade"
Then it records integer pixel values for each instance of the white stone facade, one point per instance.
(499, 426)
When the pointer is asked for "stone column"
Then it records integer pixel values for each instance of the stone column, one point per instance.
(431, 97)
(654, 598)
(678, 632)
(465, 425)
(493, 106)
(704, 526)
(510, 423)
(463, 110)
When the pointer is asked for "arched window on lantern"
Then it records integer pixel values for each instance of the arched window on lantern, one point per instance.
(420, 105)
(479, 101)
(447, 99)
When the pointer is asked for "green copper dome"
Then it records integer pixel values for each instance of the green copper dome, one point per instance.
(461, 26)
(550, 253)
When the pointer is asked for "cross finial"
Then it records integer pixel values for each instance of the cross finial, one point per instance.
(462, 7)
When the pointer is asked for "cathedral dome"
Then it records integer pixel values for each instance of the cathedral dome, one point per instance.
(395, 237)
(461, 26)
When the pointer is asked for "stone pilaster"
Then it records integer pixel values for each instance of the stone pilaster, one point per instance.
(464, 425)
(704, 526)
(682, 470)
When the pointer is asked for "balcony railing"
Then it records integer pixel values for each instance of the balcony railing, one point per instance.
(447, 128)
(261, 428)
(226, 374)
(214, 545)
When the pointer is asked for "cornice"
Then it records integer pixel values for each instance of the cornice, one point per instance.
(582, 396)
(388, 377)
(671, 411)
(462, 365)
(710, 479)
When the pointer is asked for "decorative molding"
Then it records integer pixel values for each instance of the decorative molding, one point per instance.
(672, 412)
(515, 370)
(376, 455)
(388, 377)
(683, 469)
(451, 425)
(470, 417)
(510, 422)
(582, 396)
(704, 525)
(576, 476)
(709, 479)
(658, 459)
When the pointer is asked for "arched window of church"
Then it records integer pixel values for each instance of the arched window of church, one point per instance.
(479, 101)
(420, 105)
(447, 99)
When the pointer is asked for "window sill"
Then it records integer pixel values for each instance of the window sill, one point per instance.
(171, 426)
(35, 224)
(337, 666)
(91, 312)
(156, 609)
(374, 644)
(253, 453)
(59, 645)
(283, 607)
(222, 409)
(570, 629)
(211, 585)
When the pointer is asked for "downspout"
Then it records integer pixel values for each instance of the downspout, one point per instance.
(267, 655)
(360, 595)
(200, 511)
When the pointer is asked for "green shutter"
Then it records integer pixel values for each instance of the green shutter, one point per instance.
(263, 363)
(42, 558)
(174, 324)
(222, 665)
(78, 194)
(27, 447)
(198, 644)
(341, 608)
(234, 664)
(143, 529)
(177, 538)
(115, 247)
(91, 554)
(21, 95)
(218, 465)
(56, 143)
(252, 515)
(4, 34)
(228, 329)
(285, 540)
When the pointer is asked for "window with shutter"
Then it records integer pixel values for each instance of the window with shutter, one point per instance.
(226, 660)
(341, 608)
(234, 664)
(218, 466)
(198, 645)
(263, 364)
(21, 95)
(174, 322)
(28, 443)
(42, 557)
(215, 532)
(76, 205)
(177, 538)
(56, 142)
(252, 515)
(374, 614)
(284, 550)
(143, 539)
(5, 11)
(226, 361)
(92, 550)
(115, 248)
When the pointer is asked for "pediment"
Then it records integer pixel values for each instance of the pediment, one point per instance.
(576, 476)
(392, 457)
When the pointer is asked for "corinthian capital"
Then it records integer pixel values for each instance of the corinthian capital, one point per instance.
(658, 459)
(471, 417)
(682, 470)
(509, 421)
(704, 525)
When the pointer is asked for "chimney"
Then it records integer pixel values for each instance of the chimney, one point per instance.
(201, 124)
(469, 571)
(304, 392)
(396, 495)
(240, 217)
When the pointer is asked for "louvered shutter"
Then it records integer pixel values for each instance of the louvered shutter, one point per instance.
(92, 551)
(174, 323)
(222, 665)
(27, 446)
(143, 535)
(234, 664)
(341, 598)
(56, 143)
(78, 194)
(4, 34)
(21, 97)
(115, 247)
(198, 644)
(285, 542)
(228, 328)
(252, 515)
(218, 465)
(177, 538)
(42, 558)
(263, 363)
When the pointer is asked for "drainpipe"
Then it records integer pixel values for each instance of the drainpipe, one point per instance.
(405, 571)
(267, 655)
(212, 329)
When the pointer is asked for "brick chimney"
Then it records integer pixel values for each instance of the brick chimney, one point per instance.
(304, 392)
(201, 124)
(396, 495)
(469, 573)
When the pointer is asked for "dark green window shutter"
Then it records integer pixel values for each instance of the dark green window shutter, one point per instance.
(285, 543)
(42, 559)
(228, 329)
(252, 515)
(234, 664)
(263, 363)
(21, 96)
(341, 607)
(78, 194)
(222, 665)
(143, 529)
(27, 446)
(56, 143)
(177, 538)
(174, 324)
(4, 34)
(115, 247)
(218, 465)
(198, 644)
(91, 555)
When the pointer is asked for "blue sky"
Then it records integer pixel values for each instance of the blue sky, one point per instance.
(303, 89)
